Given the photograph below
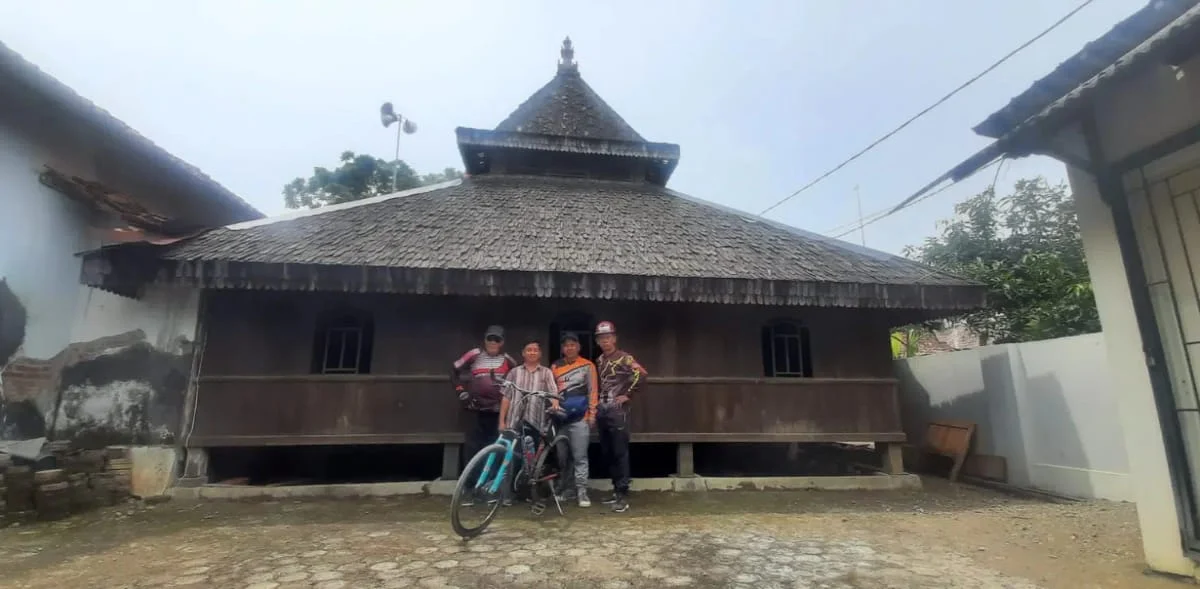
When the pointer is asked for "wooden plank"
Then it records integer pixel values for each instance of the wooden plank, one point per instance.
(457, 438)
(413, 409)
(272, 333)
(234, 441)
(951, 439)
(443, 378)
(802, 437)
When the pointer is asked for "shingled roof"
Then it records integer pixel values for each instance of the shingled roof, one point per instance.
(575, 234)
(508, 233)
(567, 106)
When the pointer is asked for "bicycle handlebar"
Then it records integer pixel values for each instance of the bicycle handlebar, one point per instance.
(508, 383)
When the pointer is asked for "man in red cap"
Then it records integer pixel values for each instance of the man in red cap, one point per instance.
(620, 376)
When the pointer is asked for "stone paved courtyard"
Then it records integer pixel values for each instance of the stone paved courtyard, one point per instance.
(944, 537)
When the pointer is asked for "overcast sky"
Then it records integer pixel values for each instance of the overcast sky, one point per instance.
(762, 95)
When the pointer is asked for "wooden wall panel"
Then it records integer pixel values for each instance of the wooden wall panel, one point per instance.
(321, 410)
(272, 333)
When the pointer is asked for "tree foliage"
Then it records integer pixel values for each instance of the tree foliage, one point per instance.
(359, 176)
(445, 175)
(1027, 250)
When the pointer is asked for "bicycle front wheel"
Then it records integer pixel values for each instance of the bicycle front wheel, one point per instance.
(474, 505)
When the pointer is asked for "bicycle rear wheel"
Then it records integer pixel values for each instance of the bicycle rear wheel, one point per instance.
(474, 505)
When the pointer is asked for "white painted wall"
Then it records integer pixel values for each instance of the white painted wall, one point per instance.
(164, 314)
(1046, 407)
(1157, 512)
(1145, 109)
(40, 233)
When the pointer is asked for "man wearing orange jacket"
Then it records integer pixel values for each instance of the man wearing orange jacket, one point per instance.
(579, 387)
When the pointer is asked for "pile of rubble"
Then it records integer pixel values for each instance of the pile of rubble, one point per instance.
(73, 482)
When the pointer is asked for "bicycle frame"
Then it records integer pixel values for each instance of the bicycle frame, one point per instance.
(508, 443)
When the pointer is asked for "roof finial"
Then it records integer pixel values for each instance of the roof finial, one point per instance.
(568, 57)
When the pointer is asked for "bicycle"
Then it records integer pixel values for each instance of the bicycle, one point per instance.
(537, 473)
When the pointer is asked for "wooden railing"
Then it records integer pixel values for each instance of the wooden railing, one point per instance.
(400, 409)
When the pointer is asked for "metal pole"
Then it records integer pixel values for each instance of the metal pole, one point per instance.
(396, 162)
(862, 230)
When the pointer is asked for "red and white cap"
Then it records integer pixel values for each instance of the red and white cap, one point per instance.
(605, 327)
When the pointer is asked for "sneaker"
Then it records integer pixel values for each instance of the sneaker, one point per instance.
(620, 506)
(611, 499)
(467, 501)
(583, 499)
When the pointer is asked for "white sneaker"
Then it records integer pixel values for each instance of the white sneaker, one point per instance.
(583, 499)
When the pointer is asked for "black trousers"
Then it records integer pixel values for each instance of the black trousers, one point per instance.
(482, 430)
(613, 423)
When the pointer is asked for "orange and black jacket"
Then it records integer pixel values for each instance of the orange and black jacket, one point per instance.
(578, 378)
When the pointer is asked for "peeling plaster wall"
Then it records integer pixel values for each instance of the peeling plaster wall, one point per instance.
(91, 366)
(122, 379)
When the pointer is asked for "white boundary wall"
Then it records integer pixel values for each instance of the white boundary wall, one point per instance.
(1048, 407)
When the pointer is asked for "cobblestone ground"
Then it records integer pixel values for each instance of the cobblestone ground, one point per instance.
(744, 540)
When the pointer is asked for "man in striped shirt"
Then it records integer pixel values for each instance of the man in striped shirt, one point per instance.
(531, 376)
(514, 408)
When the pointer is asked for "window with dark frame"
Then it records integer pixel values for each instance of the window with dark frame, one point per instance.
(785, 350)
(343, 344)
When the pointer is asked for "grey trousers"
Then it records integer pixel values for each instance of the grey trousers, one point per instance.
(577, 434)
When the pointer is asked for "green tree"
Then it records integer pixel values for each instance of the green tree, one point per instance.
(359, 176)
(1027, 250)
(444, 176)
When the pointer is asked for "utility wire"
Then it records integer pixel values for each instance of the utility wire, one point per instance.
(885, 213)
(939, 102)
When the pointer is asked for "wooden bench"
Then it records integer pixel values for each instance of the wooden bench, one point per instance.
(950, 439)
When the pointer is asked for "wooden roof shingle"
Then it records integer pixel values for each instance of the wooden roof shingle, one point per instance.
(561, 226)
(568, 106)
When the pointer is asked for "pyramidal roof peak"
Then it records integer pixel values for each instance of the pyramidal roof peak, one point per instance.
(567, 106)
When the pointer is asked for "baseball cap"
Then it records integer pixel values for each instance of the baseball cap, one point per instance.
(569, 336)
(494, 331)
(605, 327)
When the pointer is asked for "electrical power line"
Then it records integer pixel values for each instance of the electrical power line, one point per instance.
(926, 110)
(885, 213)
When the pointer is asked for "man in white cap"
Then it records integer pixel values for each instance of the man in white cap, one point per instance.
(620, 377)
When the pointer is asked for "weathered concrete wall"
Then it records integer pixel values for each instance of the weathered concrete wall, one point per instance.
(38, 242)
(1047, 407)
(84, 363)
(122, 379)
